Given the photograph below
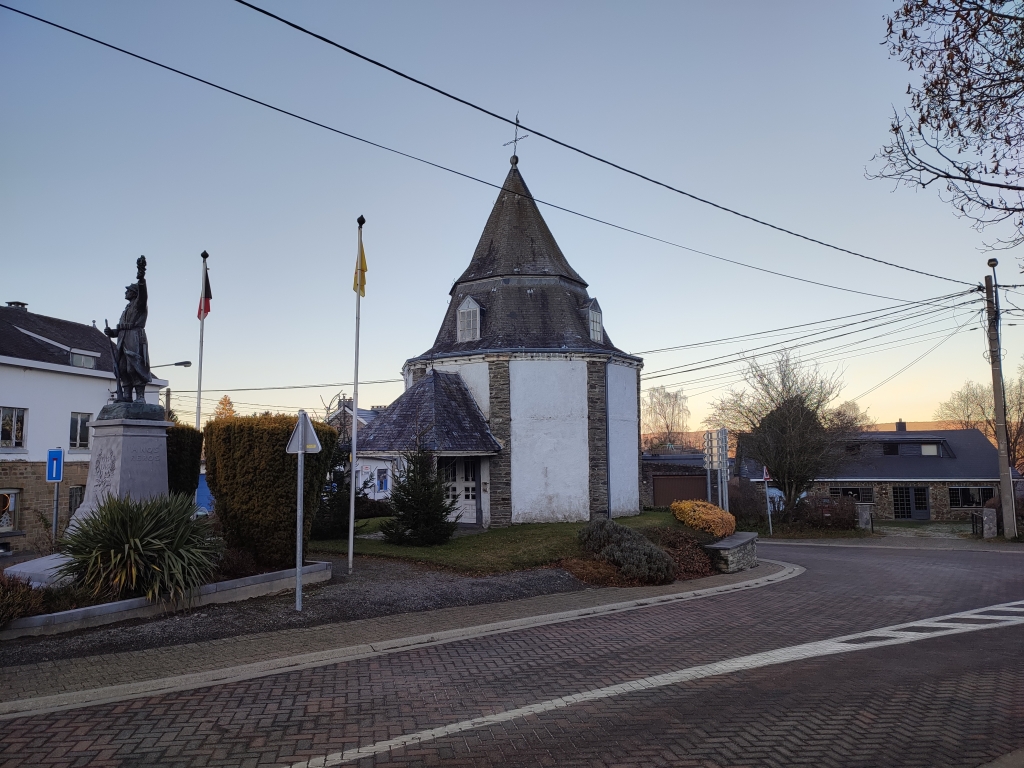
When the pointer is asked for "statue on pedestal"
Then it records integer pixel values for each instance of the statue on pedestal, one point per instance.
(131, 355)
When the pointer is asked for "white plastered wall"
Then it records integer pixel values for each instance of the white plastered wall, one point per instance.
(477, 379)
(550, 453)
(623, 456)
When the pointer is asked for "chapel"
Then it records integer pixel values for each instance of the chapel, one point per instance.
(531, 409)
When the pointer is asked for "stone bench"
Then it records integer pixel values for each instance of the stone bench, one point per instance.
(734, 553)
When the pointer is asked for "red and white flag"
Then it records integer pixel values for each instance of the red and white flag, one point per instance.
(207, 294)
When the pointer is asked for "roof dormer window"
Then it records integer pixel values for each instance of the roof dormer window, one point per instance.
(596, 326)
(469, 320)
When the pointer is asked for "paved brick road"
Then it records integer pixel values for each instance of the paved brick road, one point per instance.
(953, 701)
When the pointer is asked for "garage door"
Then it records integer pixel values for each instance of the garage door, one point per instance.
(669, 488)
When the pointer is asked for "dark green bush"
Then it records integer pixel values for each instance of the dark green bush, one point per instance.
(184, 455)
(253, 481)
(331, 519)
(157, 548)
(422, 509)
(17, 599)
(633, 553)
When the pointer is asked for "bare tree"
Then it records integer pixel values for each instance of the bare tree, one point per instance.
(964, 130)
(786, 418)
(665, 416)
(973, 407)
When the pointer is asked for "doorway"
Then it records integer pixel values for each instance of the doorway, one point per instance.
(910, 503)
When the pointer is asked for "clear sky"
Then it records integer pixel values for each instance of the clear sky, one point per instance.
(771, 108)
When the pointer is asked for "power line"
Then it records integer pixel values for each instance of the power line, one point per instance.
(771, 331)
(590, 155)
(294, 386)
(765, 349)
(438, 165)
(914, 361)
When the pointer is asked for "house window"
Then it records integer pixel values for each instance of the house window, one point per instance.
(596, 328)
(969, 497)
(12, 427)
(469, 320)
(901, 503)
(890, 449)
(8, 509)
(82, 361)
(469, 467)
(929, 449)
(382, 479)
(860, 495)
(76, 493)
(448, 474)
(80, 429)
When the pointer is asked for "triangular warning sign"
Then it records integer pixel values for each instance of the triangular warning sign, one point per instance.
(303, 439)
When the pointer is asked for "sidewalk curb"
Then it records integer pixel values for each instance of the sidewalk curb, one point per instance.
(1012, 760)
(156, 687)
(796, 543)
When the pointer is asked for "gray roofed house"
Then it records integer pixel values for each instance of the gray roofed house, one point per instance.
(437, 414)
(523, 389)
(25, 335)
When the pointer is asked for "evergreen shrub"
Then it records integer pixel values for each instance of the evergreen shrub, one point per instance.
(704, 517)
(331, 519)
(634, 554)
(253, 480)
(184, 456)
(422, 509)
(157, 548)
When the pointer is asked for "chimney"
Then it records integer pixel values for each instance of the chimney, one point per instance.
(901, 426)
(18, 305)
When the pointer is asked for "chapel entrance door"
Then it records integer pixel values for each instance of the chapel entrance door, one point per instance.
(468, 486)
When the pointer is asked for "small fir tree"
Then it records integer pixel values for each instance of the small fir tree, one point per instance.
(420, 499)
(225, 408)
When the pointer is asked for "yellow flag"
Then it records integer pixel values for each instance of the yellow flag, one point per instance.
(359, 279)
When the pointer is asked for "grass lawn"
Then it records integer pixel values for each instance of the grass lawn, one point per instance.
(498, 550)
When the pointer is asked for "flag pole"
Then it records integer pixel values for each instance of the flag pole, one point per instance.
(355, 398)
(202, 324)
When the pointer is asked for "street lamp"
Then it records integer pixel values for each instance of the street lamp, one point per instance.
(182, 364)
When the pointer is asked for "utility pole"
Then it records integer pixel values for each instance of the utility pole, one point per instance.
(996, 359)
(167, 402)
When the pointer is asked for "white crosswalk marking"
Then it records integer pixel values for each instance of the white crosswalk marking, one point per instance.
(1003, 615)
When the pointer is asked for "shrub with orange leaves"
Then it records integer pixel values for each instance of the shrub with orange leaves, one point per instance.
(704, 517)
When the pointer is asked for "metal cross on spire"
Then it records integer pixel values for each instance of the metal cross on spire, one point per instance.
(515, 141)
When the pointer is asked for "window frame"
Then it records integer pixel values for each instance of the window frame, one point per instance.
(959, 490)
(468, 317)
(596, 325)
(14, 446)
(12, 493)
(77, 444)
(382, 479)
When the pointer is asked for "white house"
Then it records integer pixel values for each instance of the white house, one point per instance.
(55, 376)
(374, 472)
(532, 410)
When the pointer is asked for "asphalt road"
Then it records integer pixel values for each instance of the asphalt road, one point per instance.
(766, 677)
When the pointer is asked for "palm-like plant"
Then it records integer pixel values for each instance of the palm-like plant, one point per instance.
(158, 548)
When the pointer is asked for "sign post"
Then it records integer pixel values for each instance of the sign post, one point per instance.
(716, 457)
(767, 500)
(55, 474)
(302, 441)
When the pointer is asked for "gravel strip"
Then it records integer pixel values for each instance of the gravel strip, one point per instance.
(378, 587)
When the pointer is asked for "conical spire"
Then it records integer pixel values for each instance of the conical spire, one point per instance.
(516, 240)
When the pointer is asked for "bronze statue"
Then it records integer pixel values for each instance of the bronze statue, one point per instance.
(131, 355)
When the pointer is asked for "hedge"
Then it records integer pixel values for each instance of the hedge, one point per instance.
(253, 480)
(704, 517)
(184, 455)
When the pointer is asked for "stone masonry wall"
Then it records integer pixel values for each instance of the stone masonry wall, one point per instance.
(35, 498)
(938, 497)
(597, 436)
(501, 428)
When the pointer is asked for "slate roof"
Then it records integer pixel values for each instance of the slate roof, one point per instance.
(973, 457)
(437, 413)
(15, 343)
(530, 297)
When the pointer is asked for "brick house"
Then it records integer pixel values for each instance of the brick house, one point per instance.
(55, 376)
(544, 412)
(934, 475)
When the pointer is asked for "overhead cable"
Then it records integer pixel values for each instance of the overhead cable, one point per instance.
(442, 167)
(585, 153)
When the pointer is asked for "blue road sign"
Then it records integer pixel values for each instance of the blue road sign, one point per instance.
(55, 465)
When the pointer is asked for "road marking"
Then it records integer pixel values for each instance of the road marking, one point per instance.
(1012, 614)
(159, 686)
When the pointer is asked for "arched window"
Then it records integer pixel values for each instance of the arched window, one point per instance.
(469, 320)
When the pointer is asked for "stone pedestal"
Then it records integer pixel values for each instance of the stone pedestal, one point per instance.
(129, 458)
(989, 526)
